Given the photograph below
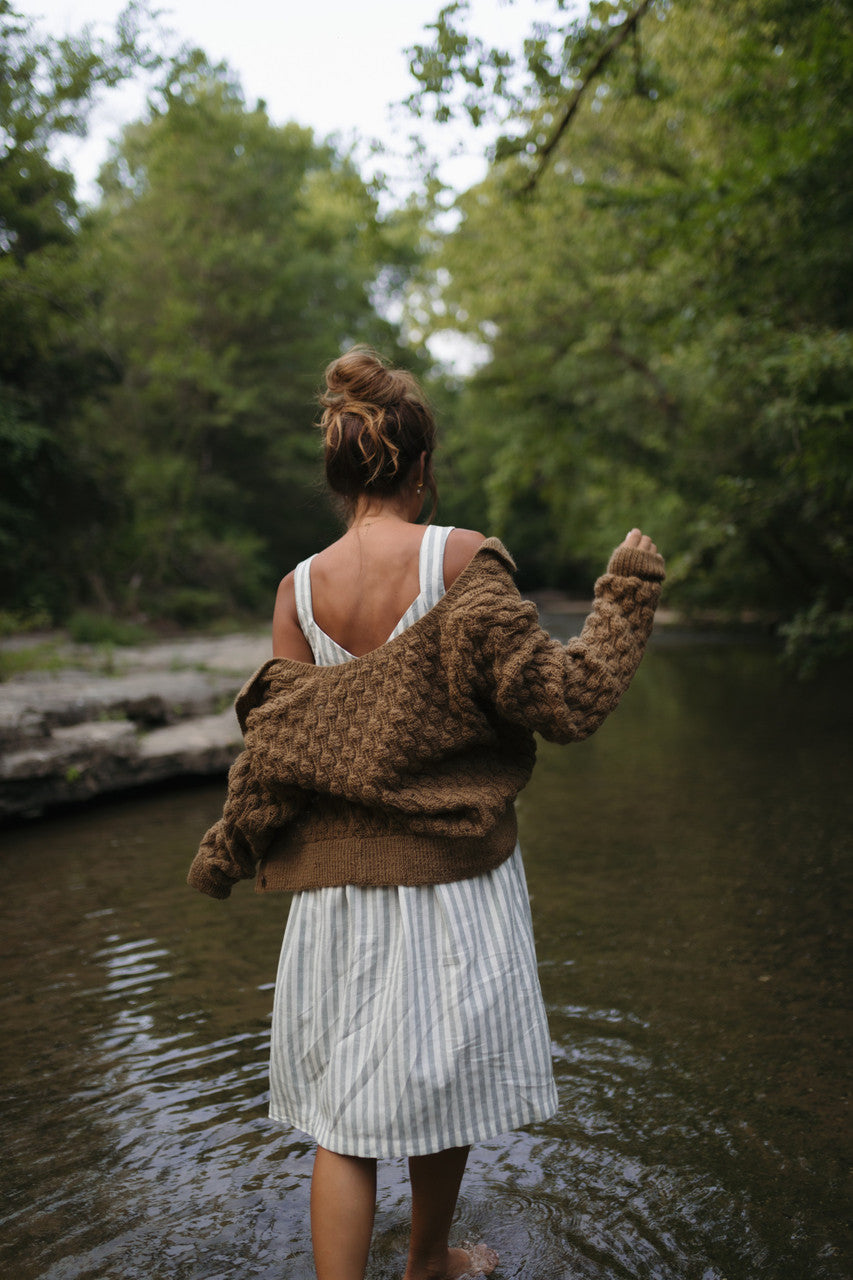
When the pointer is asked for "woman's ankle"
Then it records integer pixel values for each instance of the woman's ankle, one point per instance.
(430, 1267)
(449, 1264)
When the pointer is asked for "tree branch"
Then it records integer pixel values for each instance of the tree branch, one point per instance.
(665, 400)
(605, 53)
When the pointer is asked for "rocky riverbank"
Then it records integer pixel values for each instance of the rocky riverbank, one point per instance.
(106, 722)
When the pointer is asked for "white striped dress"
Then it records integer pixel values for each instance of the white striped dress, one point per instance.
(408, 1020)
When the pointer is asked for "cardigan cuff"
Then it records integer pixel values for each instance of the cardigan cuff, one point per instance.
(631, 562)
(209, 880)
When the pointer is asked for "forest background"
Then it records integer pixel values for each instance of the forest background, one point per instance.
(656, 272)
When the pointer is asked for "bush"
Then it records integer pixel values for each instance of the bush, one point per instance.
(193, 606)
(86, 627)
(16, 622)
(817, 635)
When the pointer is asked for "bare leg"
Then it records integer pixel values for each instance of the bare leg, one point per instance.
(343, 1204)
(435, 1188)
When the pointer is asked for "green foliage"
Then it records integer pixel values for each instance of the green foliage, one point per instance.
(162, 352)
(87, 627)
(664, 288)
(658, 263)
(53, 507)
(234, 259)
(15, 622)
(35, 657)
(47, 90)
(818, 635)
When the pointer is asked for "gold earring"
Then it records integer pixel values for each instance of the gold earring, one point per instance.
(420, 490)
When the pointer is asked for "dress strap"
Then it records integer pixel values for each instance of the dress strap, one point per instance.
(302, 591)
(431, 563)
(326, 651)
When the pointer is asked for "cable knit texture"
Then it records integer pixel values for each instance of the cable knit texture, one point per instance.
(402, 766)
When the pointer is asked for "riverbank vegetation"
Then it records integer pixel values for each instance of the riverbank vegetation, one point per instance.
(656, 270)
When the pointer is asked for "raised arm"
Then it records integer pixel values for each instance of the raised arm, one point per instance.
(565, 692)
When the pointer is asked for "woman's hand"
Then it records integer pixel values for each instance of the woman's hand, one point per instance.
(639, 540)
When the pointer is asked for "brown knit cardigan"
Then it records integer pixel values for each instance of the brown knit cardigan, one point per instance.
(401, 766)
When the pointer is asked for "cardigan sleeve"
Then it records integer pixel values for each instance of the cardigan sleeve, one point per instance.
(256, 808)
(565, 692)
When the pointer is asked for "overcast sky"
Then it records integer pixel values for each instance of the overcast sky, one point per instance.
(336, 65)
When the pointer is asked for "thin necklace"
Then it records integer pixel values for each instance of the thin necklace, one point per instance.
(365, 524)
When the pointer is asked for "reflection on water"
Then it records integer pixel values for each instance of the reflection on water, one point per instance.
(688, 868)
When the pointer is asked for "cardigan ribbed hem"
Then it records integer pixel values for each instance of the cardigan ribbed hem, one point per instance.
(405, 858)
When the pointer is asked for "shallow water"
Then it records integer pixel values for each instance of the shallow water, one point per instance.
(689, 870)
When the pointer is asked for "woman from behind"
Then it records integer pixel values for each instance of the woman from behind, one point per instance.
(386, 742)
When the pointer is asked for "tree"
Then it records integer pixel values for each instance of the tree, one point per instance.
(48, 359)
(161, 350)
(660, 264)
(234, 257)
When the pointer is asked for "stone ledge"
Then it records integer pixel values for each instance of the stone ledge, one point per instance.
(73, 735)
(66, 749)
(33, 707)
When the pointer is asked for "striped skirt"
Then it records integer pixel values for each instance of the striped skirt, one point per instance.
(410, 1020)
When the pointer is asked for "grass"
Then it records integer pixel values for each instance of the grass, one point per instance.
(44, 656)
(93, 642)
(85, 627)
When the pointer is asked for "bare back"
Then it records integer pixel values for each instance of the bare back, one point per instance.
(362, 585)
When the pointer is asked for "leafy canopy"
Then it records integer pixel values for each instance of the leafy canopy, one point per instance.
(659, 264)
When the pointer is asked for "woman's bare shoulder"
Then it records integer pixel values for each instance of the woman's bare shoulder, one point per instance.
(461, 545)
(287, 638)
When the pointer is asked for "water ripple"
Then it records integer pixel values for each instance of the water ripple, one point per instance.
(698, 1129)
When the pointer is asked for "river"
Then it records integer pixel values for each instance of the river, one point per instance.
(689, 870)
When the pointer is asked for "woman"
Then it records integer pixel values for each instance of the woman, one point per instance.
(386, 741)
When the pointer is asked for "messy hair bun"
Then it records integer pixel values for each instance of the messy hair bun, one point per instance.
(376, 423)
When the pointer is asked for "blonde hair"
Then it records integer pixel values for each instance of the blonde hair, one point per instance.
(376, 423)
